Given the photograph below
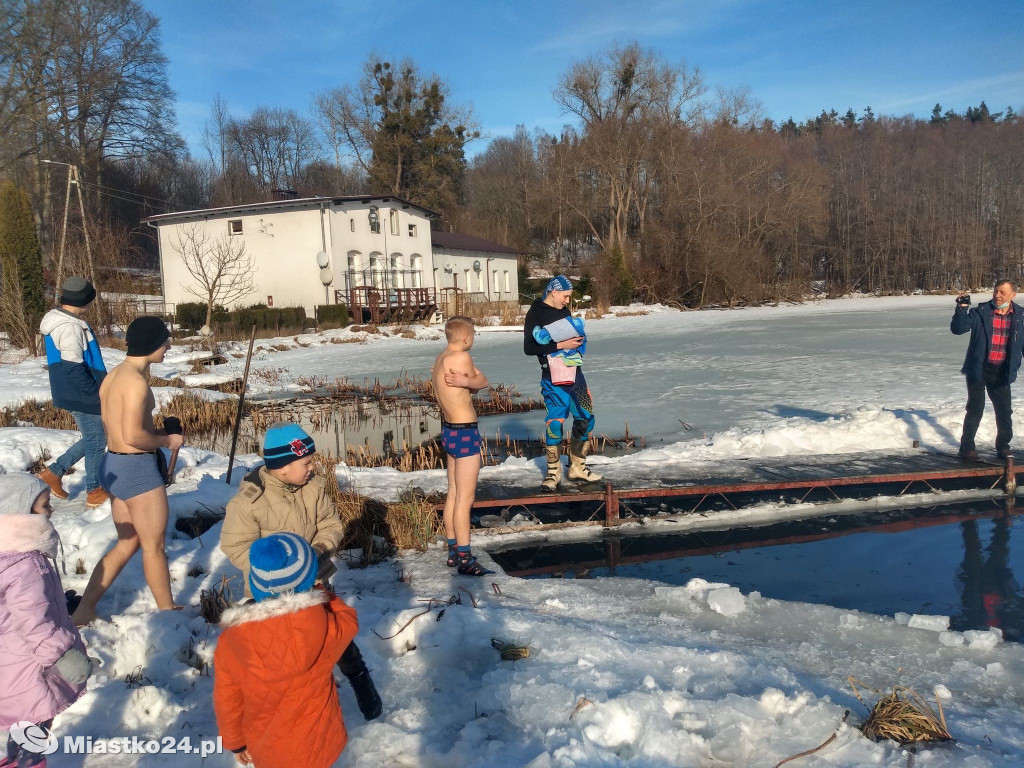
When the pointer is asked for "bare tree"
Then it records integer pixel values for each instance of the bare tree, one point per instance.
(221, 268)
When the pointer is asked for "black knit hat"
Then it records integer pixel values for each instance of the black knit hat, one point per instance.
(145, 336)
(77, 292)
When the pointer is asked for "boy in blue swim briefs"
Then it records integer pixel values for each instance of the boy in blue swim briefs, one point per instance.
(129, 471)
(455, 379)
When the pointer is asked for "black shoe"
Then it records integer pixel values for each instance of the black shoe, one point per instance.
(1005, 454)
(969, 456)
(366, 695)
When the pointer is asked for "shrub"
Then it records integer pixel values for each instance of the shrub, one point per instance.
(334, 315)
(265, 318)
(192, 314)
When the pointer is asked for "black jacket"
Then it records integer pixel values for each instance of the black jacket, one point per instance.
(541, 314)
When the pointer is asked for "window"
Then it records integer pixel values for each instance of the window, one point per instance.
(235, 227)
(395, 274)
(412, 230)
(351, 225)
(469, 285)
(393, 217)
(494, 282)
(508, 285)
(416, 264)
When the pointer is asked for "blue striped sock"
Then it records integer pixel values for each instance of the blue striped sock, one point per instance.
(464, 553)
(451, 544)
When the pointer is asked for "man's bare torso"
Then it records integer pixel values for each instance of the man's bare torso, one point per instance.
(123, 381)
(456, 402)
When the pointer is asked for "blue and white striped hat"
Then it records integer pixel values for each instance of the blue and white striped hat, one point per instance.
(281, 562)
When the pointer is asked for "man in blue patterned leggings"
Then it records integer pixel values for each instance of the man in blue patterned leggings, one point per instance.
(561, 400)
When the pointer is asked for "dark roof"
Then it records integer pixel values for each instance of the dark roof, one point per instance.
(277, 205)
(455, 241)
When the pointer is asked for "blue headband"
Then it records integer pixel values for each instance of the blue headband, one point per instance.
(558, 283)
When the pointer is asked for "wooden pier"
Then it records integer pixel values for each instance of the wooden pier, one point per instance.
(738, 483)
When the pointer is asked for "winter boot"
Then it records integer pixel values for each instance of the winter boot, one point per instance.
(56, 488)
(553, 455)
(578, 450)
(95, 498)
(354, 668)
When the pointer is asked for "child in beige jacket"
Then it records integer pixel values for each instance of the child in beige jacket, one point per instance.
(284, 496)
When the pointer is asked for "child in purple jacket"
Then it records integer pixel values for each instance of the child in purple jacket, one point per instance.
(43, 664)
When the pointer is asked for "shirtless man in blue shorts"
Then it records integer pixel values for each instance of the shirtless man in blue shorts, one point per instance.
(129, 470)
(455, 379)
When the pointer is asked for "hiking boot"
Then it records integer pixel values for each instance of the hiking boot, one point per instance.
(468, 566)
(56, 486)
(366, 695)
(578, 470)
(969, 456)
(554, 459)
(95, 498)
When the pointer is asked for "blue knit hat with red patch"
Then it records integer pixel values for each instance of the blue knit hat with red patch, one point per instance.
(284, 443)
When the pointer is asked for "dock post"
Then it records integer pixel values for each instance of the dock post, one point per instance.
(1010, 478)
(611, 505)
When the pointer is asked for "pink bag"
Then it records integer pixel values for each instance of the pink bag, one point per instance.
(561, 374)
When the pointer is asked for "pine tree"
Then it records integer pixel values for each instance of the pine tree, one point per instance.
(21, 289)
(937, 118)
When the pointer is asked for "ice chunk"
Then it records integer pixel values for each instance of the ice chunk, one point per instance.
(902, 618)
(931, 623)
(995, 668)
(942, 692)
(727, 601)
(952, 639)
(982, 639)
(849, 620)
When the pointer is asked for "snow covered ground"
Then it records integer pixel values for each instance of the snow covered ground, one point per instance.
(622, 671)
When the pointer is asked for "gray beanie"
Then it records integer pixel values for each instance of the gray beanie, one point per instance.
(77, 292)
(18, 492)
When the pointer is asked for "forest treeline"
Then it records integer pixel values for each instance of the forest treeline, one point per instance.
(659, 186)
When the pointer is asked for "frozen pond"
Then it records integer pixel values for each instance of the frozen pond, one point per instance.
(715, 369)
(960, 561)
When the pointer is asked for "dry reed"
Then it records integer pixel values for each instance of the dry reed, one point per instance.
(37, 414)
(902, 716)
(511, 651)
(377, 528)
(213, 602)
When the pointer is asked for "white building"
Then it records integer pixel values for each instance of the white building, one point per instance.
(372, 253)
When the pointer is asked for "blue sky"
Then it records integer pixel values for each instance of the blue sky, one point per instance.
(504, 58)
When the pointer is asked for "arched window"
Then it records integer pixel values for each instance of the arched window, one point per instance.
(377, 270)
(416, 264)
(396, 271)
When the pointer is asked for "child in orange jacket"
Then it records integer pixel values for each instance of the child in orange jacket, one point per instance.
(273, 690)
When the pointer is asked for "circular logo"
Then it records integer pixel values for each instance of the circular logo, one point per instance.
(34, 738)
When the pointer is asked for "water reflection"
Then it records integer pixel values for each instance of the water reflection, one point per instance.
(990, 594)
(339, 427)
(955, 560)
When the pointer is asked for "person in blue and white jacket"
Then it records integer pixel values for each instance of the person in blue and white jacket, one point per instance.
(76, 370)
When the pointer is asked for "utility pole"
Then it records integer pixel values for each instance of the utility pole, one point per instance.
(75, 179)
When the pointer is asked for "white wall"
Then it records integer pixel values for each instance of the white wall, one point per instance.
(493, 287)
(351, 238)
(284, 244)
